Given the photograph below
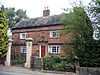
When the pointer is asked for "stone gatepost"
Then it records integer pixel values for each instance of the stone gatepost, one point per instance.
(8, 56)
(28, 52)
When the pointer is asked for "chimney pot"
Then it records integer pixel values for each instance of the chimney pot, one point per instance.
(46, 12)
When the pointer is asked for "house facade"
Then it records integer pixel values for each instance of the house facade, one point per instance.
(46, 33)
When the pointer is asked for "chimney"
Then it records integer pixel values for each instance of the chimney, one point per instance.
(46, 12)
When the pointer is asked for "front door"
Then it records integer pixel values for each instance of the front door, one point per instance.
(42, 51)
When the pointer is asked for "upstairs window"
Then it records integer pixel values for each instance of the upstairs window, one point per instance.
(23, 35)
(54, 34)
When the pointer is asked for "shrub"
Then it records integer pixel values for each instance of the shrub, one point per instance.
(49, 61)
(19, 60)
(58, 66)
(57, 63)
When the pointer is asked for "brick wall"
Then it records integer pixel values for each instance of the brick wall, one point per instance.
(37, 33)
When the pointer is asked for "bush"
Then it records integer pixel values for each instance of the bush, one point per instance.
(57, 63)
(19, 60)
(58, 67)
(49, 61)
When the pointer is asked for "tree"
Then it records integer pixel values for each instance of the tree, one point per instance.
(3, 34)
(11, 16)
(14, 16)
(94, 12)
(20, 15)
(84, 46)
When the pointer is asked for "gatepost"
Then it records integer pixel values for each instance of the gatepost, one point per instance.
(8, 56)
(28, 52)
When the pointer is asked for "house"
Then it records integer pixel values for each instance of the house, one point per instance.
(45, 32)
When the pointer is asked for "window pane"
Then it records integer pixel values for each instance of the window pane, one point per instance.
(57, 49)
(53, 49)
(23, 49)
(54, 34)
(23, 35)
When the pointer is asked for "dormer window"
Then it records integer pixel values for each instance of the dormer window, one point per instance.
(54, 34)
(23, 35)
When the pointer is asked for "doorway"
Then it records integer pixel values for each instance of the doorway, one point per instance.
(42, 51)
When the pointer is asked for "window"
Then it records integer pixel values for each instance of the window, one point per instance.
(55, 49)
(23, 35)
(54, 34)
(23, 49)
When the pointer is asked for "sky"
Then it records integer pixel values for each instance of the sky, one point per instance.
(34, 8)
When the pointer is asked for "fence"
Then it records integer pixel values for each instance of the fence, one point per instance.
(89, 71)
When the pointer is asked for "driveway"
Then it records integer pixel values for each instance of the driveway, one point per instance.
(23, 71)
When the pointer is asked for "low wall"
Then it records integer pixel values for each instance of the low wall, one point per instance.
(89, 71)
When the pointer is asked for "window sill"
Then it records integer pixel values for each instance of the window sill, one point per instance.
(54, 38)
(22, 39)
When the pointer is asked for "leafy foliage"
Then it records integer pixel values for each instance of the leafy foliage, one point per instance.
(84, 46)
(57, 63)
(94, 7)
(3, 34)
(20, 14)
(77, 22)
(14, 16)
(10, 16)
(94, 13)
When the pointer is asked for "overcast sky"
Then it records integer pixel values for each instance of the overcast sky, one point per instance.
(34, 8)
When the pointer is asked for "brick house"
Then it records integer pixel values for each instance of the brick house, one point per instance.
(45, 32)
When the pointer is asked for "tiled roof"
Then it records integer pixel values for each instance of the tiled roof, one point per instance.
(40, 21)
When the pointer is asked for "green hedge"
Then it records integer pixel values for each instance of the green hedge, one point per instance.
(57, 63)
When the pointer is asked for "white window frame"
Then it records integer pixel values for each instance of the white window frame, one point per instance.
(52, 33)
(21, 35)
(50, 49)
(23, 49)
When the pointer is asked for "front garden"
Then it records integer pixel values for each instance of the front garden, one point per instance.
(54, 63)
(57, 63)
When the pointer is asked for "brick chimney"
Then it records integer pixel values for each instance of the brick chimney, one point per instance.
(46, 12)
